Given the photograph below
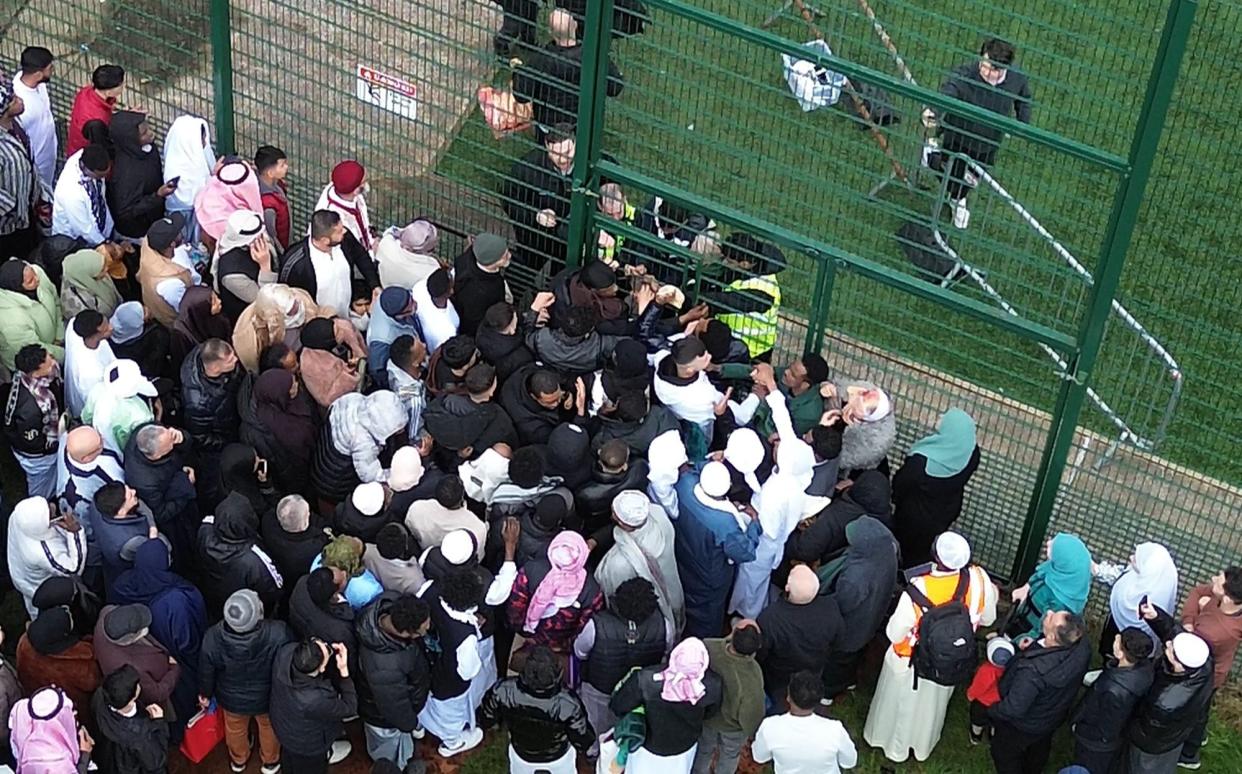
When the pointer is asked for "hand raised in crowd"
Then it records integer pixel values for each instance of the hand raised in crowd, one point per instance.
(155, 711)
(341, 654)
(722, 405)
(580, 397)
(510, 532)
(189, 473)
(165, 191)
(764, 376)
(546, 218)
(644, 294)
(261, 253)
(85, 742)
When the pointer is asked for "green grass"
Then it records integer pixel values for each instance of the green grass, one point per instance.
(712, 115)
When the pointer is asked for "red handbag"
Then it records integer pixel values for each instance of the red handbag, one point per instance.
(204, 731)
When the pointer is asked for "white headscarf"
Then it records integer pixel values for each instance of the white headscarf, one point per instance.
(745, 452)
(1152, 574)
(666, 455)
(186, 158)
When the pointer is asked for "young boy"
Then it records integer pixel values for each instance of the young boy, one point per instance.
(137, 736)
(1099, 727)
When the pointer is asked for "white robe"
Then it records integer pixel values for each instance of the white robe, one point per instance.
(188, 159)
(40, 127)
(84, 368)
(903, 718)
(647, 552)
(438, 325)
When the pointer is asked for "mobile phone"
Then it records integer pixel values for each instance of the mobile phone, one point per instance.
(175, 181)
(263, 468)
(1142, 604)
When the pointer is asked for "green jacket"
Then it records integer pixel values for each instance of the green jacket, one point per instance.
(741, 703)
(805, 410)
(28, 321)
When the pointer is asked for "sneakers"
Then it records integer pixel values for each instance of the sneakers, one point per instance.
(961, 215)
(825, 702)
(419, 732)
(1089, 678)
(270, 768)
(237, 768)
(340, 751)
(1189, 763)
(976, 735)
(468, 741)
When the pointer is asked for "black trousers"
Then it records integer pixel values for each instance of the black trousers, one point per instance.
(957, 166)
(841, 671)
(302, 764)
(1096, 761)
(1190, 748)
(1014, 752)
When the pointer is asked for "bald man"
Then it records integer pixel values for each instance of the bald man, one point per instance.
(552, 76)
(87, 464)
(799, 632)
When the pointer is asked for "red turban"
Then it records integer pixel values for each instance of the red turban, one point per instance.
(347, 176)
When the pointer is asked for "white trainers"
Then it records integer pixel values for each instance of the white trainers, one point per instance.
(1089, 678)
(419, 732)
(961, 215)
(270, 768)
(468, 741)
(340, 751)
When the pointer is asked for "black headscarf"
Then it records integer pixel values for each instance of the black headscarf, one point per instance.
(291, 421)
(12, 273)
(873, 493)
(319, 333)
(628, 371)
(236, 521)
(237, 474)
(568, 451)
(196, 323)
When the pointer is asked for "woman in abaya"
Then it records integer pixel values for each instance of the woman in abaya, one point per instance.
(188, 160)
(328, 370)
(243, 471)
(279, 420)
(200, 318)
(928, 490)
(1151, 575)
(86, 284)
(178, 615)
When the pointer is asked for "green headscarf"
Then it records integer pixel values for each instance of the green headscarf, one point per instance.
(80, 272)
(949, 450)
(1066, 573)
(343, 554)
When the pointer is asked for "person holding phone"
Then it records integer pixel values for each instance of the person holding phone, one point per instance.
(312, 694)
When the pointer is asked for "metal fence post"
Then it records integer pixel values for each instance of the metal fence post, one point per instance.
(1126, 203)
(821, 302)
(222, 75)
(596, 39)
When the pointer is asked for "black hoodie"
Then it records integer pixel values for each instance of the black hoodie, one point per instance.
(232, 559)
(1039, 686)
(136, 176)
(308, 713)
(506, 352)
(825, 538)
(395, 674)
(133, 745)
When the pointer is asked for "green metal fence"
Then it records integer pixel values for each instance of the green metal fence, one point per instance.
(1093, 332)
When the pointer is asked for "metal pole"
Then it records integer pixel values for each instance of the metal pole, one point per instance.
(821, 304)
(222, 75)
(596, 39)
(1122, 220)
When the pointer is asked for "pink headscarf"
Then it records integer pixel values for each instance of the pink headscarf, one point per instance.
(44, 734)
(235, 187)
(563, 583)
(683, 677)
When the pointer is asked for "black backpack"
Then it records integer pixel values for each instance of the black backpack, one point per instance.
(945, 652)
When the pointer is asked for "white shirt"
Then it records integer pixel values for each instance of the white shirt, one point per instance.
(804, 745)
(40, 127)
(84, 368)
(353, 214)
(71, 206)
(439, 325)
(332, 279)
(172, 289)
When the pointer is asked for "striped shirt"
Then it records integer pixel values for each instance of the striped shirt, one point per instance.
(19, 186)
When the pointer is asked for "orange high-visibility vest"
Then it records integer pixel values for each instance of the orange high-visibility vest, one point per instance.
(939, 589)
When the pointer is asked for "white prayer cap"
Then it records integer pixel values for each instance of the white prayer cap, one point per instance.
(632, 508)
(715, 479)
(1191, 650)
(952, 550)
(744, 450)
(369, 498)
(126, 380)
(457, 547)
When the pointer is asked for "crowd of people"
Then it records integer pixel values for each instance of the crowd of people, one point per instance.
(297, 471)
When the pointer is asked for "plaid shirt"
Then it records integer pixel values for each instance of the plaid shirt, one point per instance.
(559, 631)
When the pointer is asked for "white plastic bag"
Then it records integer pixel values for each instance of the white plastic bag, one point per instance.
(813, 86)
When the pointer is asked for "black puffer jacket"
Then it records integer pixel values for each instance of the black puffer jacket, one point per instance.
(593, 500)
(209, 406)
(638, 435)
(395, 676)
(162, 484)
(506, 353)
(1100, 722)
(457, 422)
(1176, 702)
(237, 668)
(333, 623)
(1040, 685)
(231, 558)
(542, 723)
(307, 712)
(333, 476)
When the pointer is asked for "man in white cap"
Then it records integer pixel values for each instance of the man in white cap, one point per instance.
(644, 548)
(908, 714)
(714, 535)
(1179, 699)
(406, 256)
(119, 404)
